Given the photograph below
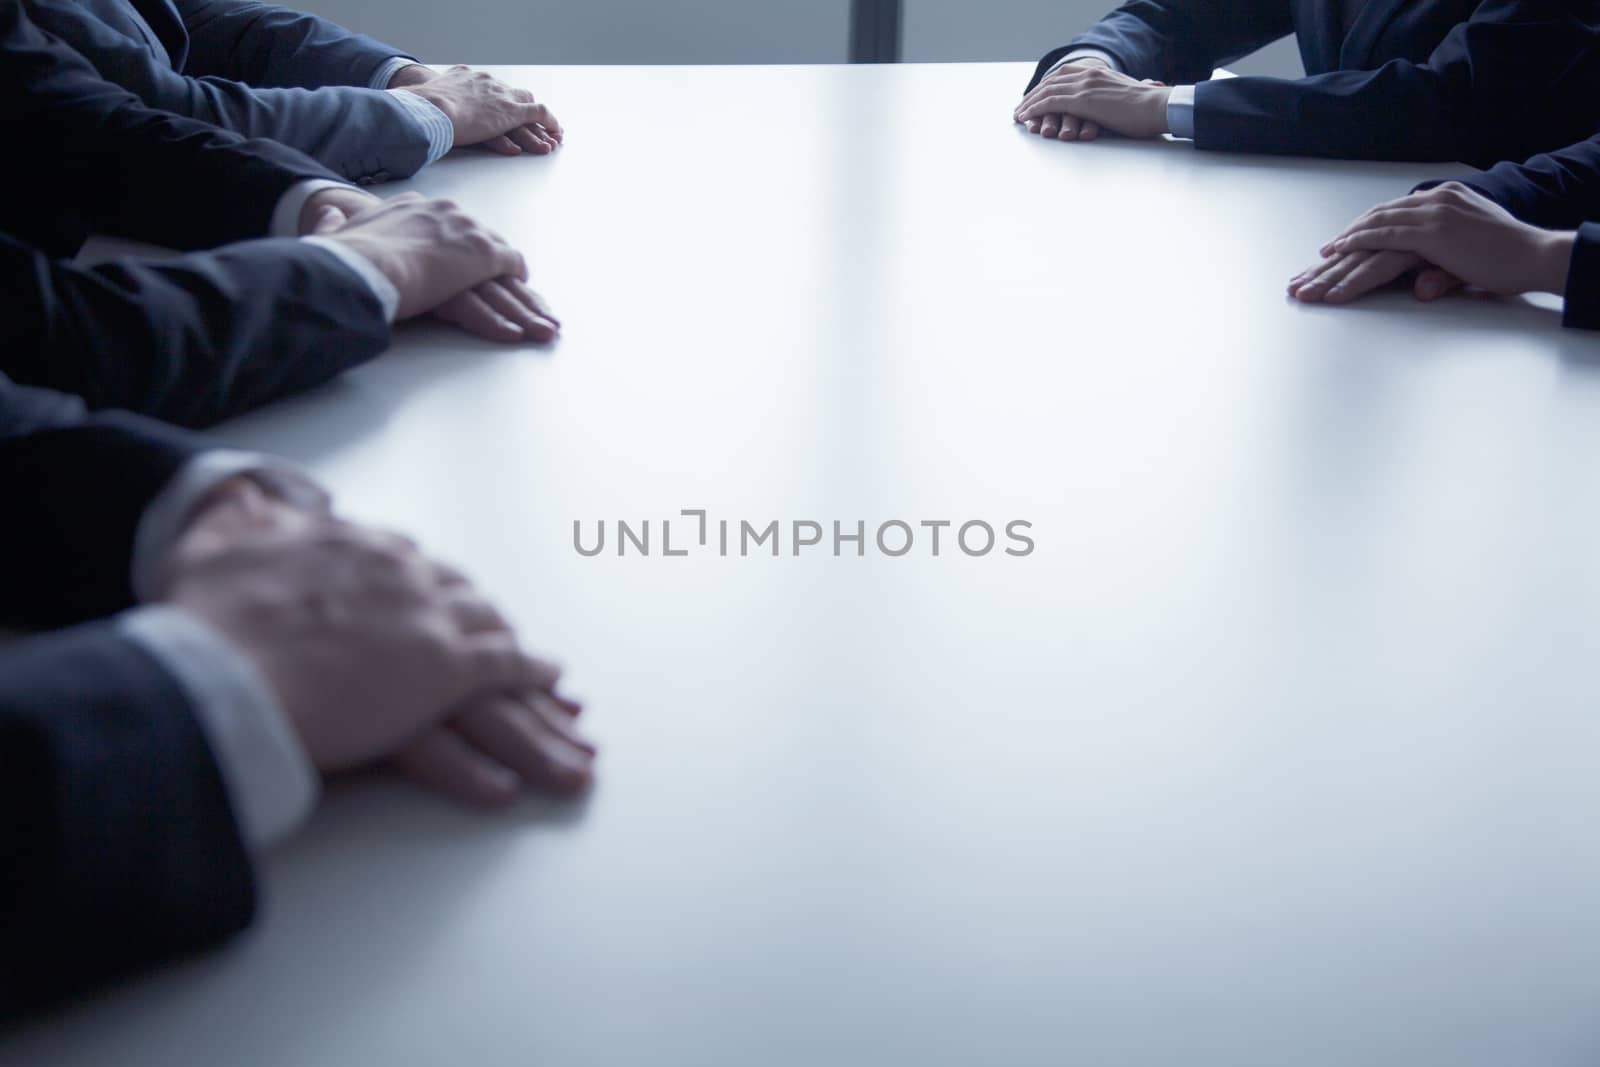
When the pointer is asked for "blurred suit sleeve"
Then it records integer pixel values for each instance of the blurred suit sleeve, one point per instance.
(191, 340)
(361, 134)
(91, 156)
(276, 46)
(120, 846)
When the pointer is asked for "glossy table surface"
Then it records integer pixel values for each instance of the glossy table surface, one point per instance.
(1281, 747)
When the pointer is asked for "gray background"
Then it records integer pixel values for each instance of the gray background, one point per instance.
(723, 31)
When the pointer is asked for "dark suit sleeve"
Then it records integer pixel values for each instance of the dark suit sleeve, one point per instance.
(267, 45)
(80, 483)
(1519, 77)
(192, 340)
(1557, 190)
(358, 133)
(119, 166)
(119, 849)
(1583, 281)
(1180, 41)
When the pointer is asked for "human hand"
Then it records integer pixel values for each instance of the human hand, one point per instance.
(1464, 238)
(441, 260)
(411, 74)
(373, 649)
(494, 745)
(486, 111)
(331, 207)
(1093, 97)
(1346, 276)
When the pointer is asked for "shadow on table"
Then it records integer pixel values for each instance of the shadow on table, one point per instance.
(350, 908)
(318, 424)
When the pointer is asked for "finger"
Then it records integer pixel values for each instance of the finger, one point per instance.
(445, 762)
(1088, 131)
(510, 306)
(537, 115)
(1375, 272)
(1311, 273)
(503, 145)
(531, 298)
(559, 720)
(542, 753)
(474, 615)
(1435, 282)
(549, 122)
(1059, 103)
(495, 662)
(329, 219)
(1069, 128)
(1054, 81)
(1386, 215)
(1032, 125)
(1331, 274)
(1050, 126)
(473, 314)
(529, 141)
(1394, 238)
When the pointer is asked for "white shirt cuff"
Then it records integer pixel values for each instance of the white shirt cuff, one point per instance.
(286, 216)
(169, 513)
(271, 783)
(382, 288)
(386, 72)
(436, 124)
(1180, 112)
(1086, 53)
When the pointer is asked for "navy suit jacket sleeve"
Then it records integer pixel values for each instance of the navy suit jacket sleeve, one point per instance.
(191, 340)
(1557, 190)
(1583, 280)
(267, 45)
(81, 483)
(1180, 41)
(118, 166)
(358, 133)
(118, 846)
(1518, 77)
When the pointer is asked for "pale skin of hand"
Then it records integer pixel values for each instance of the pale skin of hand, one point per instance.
(501, 309)
(1083, 97)
(1452, 235)
(484, 110)
(403, 663)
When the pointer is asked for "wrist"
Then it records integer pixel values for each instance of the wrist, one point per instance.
(413, 74)
(346, 198)
(1161, 97)
(1553, 261)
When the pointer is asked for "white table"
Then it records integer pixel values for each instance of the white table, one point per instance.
(1282, 748)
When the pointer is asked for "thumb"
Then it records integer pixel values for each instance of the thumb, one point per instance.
(1435, 282)
(329, 219)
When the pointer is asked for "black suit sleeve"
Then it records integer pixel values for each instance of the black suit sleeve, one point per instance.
(1557, 190)
(1519, 77)
(1180, 41)
(1583, 281)
(120, 848)
(117, 166)
(192, 340)
(268, 45)
(359, 133)
(79, 483)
